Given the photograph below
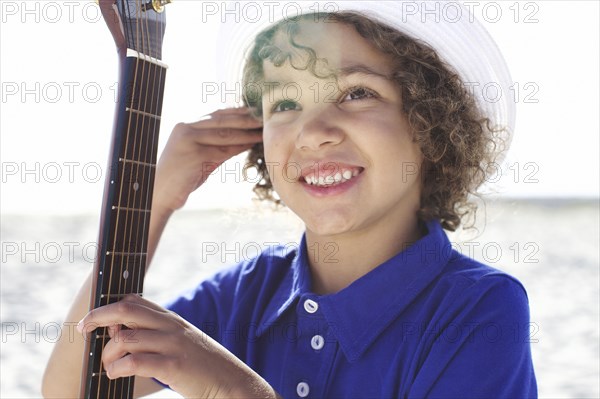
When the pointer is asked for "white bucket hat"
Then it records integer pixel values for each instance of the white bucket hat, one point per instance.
(447, 26)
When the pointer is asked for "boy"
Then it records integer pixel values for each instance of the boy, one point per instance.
(393, 312)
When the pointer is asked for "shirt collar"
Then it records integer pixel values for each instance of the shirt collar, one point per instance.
(359, 313)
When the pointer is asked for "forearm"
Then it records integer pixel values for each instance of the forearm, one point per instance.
(158, 220)
(63, 371)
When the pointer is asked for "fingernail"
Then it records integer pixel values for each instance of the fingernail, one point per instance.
(80, 326)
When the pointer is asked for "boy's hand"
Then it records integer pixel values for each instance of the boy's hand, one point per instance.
(195, 150)
(162, 345)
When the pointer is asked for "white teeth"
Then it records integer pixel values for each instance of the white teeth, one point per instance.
(339, 177)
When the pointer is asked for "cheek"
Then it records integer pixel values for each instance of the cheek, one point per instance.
(269, 143)
(276, 139)
(391, 147)
(275, 157)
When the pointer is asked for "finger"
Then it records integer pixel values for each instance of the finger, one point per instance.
(232, 110)
(136, 341)
(149, 365)
(224, 152)
(240, 121)
(112, 330)
(222, 136)
(123, 312)
(228, 136)
(220, 154)
(134, 298)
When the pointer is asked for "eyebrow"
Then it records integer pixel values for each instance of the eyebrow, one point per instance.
(360, 69)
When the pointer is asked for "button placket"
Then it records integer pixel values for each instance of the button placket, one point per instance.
(307, 381)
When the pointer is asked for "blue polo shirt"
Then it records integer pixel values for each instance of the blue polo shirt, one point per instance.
(429, 322)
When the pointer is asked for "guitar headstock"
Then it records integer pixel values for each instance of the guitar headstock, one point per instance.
(136, 24)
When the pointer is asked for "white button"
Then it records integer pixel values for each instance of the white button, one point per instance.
(310, 306)
(302, 389)
(317, 342)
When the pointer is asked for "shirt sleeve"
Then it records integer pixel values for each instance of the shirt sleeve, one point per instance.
(205, 305)
(210, 302)
(483, 348)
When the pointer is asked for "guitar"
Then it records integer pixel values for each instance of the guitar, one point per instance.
(137, 27)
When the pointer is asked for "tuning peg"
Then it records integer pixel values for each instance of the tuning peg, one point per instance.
(157, 5)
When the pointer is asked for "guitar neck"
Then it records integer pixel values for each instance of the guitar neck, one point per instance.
(127, 202)
(125, 220)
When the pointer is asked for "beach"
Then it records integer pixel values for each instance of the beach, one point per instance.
(551, 246)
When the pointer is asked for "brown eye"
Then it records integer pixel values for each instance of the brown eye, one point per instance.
(358, 93)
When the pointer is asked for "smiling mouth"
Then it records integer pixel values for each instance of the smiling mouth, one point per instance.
(324, 179)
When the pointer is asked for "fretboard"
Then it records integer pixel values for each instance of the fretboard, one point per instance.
(125, 220)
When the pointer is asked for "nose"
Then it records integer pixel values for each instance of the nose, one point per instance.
(318, 129)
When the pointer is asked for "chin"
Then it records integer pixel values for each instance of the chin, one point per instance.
(328, 228)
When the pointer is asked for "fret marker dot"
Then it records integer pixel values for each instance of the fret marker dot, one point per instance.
(126, 274)
(136, 186)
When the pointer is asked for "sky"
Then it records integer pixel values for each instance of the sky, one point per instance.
(58, 71)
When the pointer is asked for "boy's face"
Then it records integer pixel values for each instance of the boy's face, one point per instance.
(339, 154)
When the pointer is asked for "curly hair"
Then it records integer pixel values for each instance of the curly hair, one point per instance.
(458, 143)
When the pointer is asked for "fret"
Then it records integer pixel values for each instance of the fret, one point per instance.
(137, 111)
(119, 296)
(120, 208)
(150, 165)
(112, 298)
(116, 253)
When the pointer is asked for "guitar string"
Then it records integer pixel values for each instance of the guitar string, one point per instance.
(152, 123)
(110, 279)
(126, 239)
(103, 335)
(159, 91)
(141, 141)
(133, 104)
(147, 149)
(133, 214)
